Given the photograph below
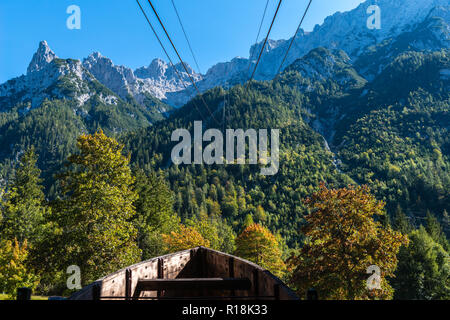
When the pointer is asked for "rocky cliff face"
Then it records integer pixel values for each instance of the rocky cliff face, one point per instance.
(348, 31)
(433, 34)
(322, 64)
(43, 56)
(119, 79)
(49, 77)
(44, 79)
(158, 79)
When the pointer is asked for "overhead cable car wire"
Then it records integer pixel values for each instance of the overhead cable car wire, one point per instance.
(265, 41)
(295, 36)
(259, 32)
(182, 62)
(167, 55)
(186, 36)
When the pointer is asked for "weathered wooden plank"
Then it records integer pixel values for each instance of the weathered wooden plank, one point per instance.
(231, 272)
(256, 282)
(195, 284)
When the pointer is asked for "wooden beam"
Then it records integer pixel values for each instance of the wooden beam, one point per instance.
(193, 284)
(276, 291)
(231, 272)
(231, 267)
(160, 268)
(256, 282)
(160, 275)
(202, 259)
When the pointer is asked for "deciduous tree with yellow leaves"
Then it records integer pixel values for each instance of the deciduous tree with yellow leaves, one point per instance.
(257, 244)
(14, 273)
(185, 238)
(342, 240)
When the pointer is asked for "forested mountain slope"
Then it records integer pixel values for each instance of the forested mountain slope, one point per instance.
(55, 102)
(389, 134)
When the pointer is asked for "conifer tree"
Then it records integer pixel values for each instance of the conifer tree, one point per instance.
(215, 230)
(401, 222)
(446, 222)
(23, 205)
(435, 231)
(423, 270)
(248, 221)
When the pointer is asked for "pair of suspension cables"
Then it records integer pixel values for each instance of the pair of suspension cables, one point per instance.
(192, 52)
(177, 53)
(268, 34)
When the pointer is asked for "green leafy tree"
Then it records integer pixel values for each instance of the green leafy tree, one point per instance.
(215, 230)
(434, 229)
(23, 206)
(155, 215)
(207, 228)
(226, 235)
(423, 270)
(260, 214)
(248, 221)
(96, 209)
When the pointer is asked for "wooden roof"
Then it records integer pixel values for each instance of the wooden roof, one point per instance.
(198, 273)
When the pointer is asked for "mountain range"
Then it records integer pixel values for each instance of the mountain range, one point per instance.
(354, 105)
(423, 25)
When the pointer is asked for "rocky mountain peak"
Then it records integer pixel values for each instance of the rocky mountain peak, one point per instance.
(119, 79)
(159, 69)
(43, 56)
(158, 64)
(96, 58)
(270, 45)
(155, 70)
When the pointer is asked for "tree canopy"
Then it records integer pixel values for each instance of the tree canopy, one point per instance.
(257, 244)
(343, 240)
(96, 209)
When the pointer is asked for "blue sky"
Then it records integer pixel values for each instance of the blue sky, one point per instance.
(218, 29)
